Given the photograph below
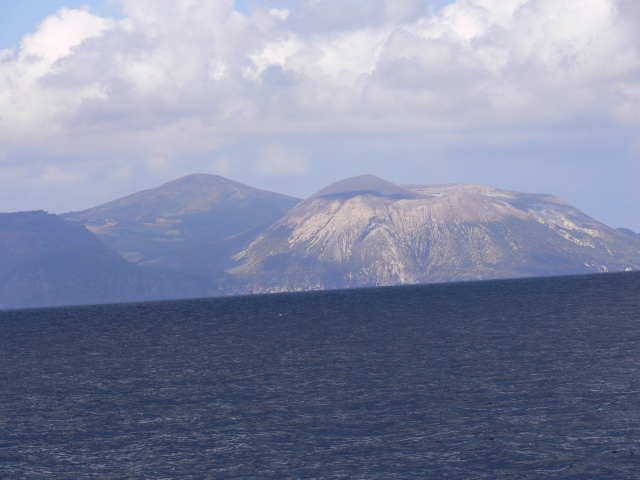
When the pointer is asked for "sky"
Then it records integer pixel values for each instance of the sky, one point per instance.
(103, 98)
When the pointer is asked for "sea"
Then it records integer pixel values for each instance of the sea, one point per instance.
(508, 379)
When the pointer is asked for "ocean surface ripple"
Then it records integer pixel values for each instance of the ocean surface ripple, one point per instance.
(531, 378)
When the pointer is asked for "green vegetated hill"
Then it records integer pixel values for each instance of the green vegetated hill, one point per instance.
(181, 215)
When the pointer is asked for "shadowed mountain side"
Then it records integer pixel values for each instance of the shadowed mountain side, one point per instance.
(212, 261)
(182, 215)
(631, 233)
(365, 184)
(48, 261)
(26, 235)
(446, 233)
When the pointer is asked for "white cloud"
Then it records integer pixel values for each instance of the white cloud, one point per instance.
(171, 60)
(59, 33)
(55, 175)
(222, 165)
(179, 78)
(281, 13)
(25, 105)
(275, 160)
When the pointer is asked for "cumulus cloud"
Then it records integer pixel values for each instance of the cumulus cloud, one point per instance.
(176, 78)
(226, 72)
(25, 103)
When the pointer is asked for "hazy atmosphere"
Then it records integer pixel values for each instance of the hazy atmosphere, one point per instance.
(101, 99)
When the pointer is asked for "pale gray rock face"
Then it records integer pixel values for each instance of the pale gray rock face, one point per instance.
(366, 231)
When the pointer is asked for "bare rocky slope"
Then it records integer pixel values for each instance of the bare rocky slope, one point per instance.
(365, 231)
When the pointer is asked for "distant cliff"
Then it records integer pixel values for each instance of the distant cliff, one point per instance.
(47, 261)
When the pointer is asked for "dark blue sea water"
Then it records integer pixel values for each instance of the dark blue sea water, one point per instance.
(534, 378)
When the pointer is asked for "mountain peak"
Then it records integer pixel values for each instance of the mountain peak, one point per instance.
(201, 180)
(180, 215)
(365, 184)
